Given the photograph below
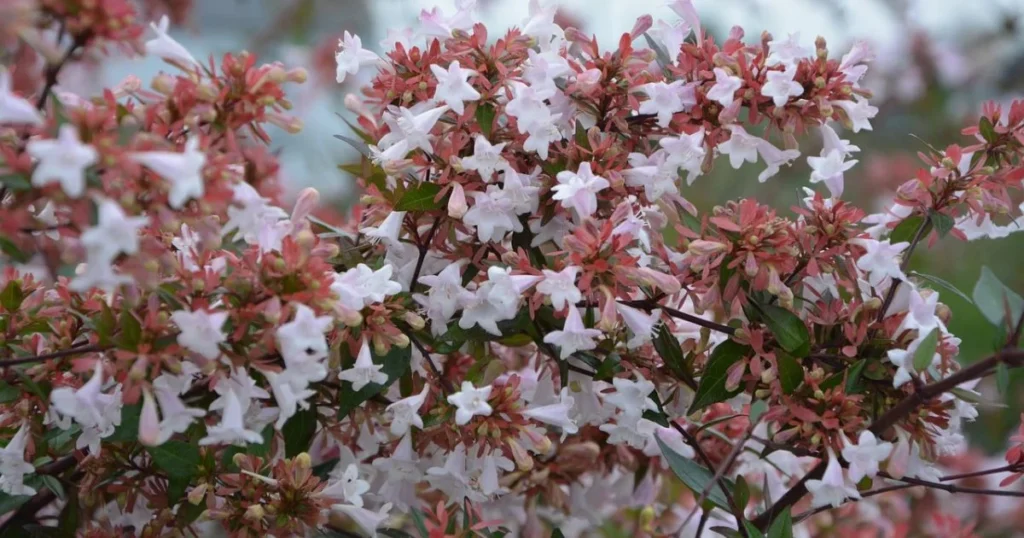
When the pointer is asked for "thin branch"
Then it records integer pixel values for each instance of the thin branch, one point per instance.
(789, 498)
(424, 247)
(1015, 468)
(88, 348)
(647, 304)
(26, 512)
(693, 442)
(446, 385)
(54, 70)
(891, 294)
(927, 392)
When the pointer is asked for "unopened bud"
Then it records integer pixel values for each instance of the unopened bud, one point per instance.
(149, 421)
(303, 460)
(414, 320)
(298, 75)
(196, 495)
(457, 206)
(255, 512)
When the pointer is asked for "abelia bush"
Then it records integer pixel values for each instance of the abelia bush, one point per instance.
(523, 329)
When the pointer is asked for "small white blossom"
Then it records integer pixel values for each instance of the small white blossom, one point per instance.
(364, 371)
(232, 429)
(201, 331)
(302, 343)
(574, 336)
(351, 56)
(470, 402)
(166, 47)
(486, 158)
(15, 110)
(881, 261)
(865, 456)
(780, 86)
(560, 286)
(13, 466)
(184, 171)
(578, 190)
(453, 88)
(725, 87)
(62, 160)
(832, 489)
(405, 412)
(664, 100)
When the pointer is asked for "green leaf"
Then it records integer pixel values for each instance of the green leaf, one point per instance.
(1002, 378)
(9, 503)
(358, 145)
(695, 477)
(557, 533)
(608, 367)
(943, 223)
(752, 531)
(71, 515)
(8, 392)
(53, 484)
(906, 230)
(987, 130)
(788, 329)
(12, 296)
(671, 354)
(420, 198)
(712, 383)
(992, 296)
(396, 363)
(299, 431)
(177, 458)
(791, 374)
(15, 182)
(757, 409)
(485, 118)
(782, 527)
(945, 284)
(926, 351)
(131, 331)
(741, 493)
(41, 531)
(105, 324)
(660, 54)
(128, 430)
(853, 378)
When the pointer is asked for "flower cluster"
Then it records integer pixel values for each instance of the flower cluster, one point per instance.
(524, 325)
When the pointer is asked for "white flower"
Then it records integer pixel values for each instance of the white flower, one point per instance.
(631, 397)
(774, 158)
(13, 466)
(741, 146)
(302, 342)
(829, 169)
(15, 110)
(541, 25)
(368, 520)
(780, 86)
(639, 323)
(98, 413)
(411, 127)
(881, 261)
(725, 87)
(685, 151)
(787, 52)
(486, 158)
(405, 412)
(452, 86)
(201, 331)
(62, 160)
(561, 287)
(667, 99)
(166, 47)
(671, 36)
(361, 286)
(253, 215)
(231, 430)
(351, 56)
(653, 173)
(543, 68)
(521, 191)
(291, 392)
(578, 190)
(921, 315)
(853, 63)
(527, 106)
(184, 171)
(542, 134)
(445, 295)
(434, 23)
(574, 336)
(865, 456)
(176, 417)
(364, 371)
(492, 214)
(557, 414)
(859, 112)
(470, 402)
(115, 232)
(389, 230)
(349, 488)
(832, 489)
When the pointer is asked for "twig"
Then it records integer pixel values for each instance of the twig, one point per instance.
(43, 497)
(891, 294)
(693, 442)
(446, 386)
(647, 304)
(88, 348)
(424, 247)
(927, 392)
(54, 70)
(791, 497)
(1015, 468)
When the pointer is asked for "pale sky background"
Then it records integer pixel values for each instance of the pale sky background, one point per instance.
(310, 158)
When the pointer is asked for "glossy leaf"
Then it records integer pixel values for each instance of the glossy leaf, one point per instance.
(788, 329)
(695, 477)
(711, 388)
(420, 197)
(925, 351)
(992, 298)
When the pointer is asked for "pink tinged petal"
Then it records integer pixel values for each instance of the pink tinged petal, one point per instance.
(149, 422)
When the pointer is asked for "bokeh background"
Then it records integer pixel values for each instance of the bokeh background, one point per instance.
(936, 62)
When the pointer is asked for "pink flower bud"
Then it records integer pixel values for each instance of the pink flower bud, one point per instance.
(588, 80)
(353, 103)
(641, 25)
(304, 205)
(457, 202)
(149, 421)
